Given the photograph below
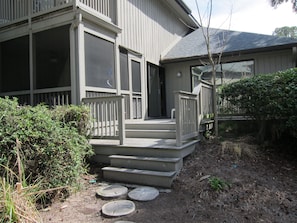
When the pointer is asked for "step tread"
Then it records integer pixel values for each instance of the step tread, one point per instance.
(143, 172)
(156, 159)
(151, 130)
(144, 143)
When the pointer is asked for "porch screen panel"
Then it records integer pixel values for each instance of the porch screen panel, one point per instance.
(52, 56)
(14, 65)
(99, 62)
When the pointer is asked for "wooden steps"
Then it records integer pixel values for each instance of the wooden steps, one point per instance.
(136, 176)
(149, 163)
(149, 155)
(151, 129)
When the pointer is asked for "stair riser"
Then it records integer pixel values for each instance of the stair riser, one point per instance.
(147, 164)
(150, 134)
(150, 126)
(149, 180)
(152, 152)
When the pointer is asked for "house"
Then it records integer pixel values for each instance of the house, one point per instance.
(133, 62)
(105, 53)
(53, 50)
(243, 55)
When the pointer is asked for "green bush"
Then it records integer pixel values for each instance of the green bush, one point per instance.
(51, 150)
(271, 99)
(73, 116)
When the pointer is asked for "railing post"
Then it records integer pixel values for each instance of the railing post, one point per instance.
(121, 113)
(178, 120)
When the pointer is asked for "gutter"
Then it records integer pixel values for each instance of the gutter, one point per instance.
(184, 6)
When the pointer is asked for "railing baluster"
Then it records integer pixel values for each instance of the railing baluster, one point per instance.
(187, 116)
(108, 117)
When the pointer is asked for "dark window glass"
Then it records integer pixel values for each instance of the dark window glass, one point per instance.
(226, 72)
(52, 58)
(99, 62)
(14, 65)
(124, 70)
(136, 79)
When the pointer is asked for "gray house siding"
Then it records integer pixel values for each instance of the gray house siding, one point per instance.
(149, 27)
(264, 62)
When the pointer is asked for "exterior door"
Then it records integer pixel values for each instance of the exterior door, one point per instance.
(156, 91)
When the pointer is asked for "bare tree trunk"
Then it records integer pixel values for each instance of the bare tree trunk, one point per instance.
(215, 107)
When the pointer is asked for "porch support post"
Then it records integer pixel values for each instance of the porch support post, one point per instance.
(117, 67)
(73, 62)
(81, 58)
(31, 52)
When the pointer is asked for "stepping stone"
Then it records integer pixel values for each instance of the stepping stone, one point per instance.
(118, 208)
(124, 222)
(143, 194)
(112, 191)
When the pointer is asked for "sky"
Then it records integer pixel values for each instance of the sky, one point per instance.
(256, 16)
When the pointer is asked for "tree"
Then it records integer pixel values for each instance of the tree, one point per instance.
(275, 3)
(286, 31)
(214, 60)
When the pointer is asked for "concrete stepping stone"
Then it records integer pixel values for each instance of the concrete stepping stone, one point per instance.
(124, 222)
(112, 191)
(143, 194)
(118, 208)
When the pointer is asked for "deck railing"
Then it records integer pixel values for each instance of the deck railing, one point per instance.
(49, 96)
(187, 113)
(206, 99)
(15, 10)
(52, 96)
(108, 117)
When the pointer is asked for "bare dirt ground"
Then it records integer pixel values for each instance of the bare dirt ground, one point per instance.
(261, 186)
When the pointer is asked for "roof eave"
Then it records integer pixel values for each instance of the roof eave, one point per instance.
(232, 53)
(183, 11)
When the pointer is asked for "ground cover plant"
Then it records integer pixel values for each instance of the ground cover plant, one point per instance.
(52, 145)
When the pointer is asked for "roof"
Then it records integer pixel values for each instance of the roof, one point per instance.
(193, 45)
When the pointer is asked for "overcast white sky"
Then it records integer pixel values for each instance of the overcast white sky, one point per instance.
(255, 16)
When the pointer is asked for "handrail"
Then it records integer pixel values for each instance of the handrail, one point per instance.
(187, 113)
(108, 117)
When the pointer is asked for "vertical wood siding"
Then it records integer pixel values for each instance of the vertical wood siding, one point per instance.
(148, 27)
(273, 62)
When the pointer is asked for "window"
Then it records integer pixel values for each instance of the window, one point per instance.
(226, 72)
(99, 62)
(136, 76)
(124, 69)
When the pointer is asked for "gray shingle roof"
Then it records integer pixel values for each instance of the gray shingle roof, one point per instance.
(193, 45)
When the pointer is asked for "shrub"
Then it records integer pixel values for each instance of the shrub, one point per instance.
(271, 99)
(50, 149)
(73, 116)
